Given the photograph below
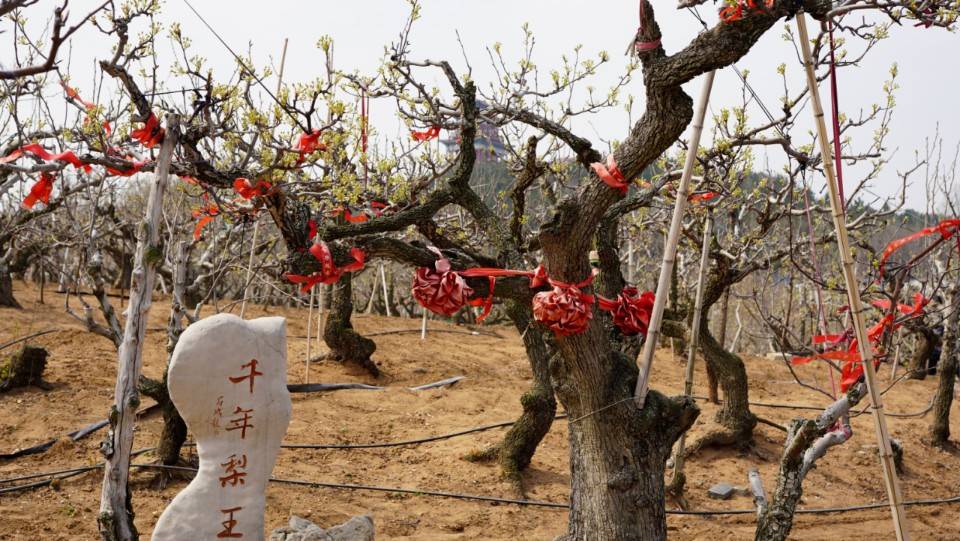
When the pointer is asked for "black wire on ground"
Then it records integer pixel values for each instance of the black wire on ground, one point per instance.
(417, 441)
(64, 474)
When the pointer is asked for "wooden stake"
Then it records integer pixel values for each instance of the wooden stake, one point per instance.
(670, 249)
(423, 325)
(116, 514)
(853, 293)
(694, 336)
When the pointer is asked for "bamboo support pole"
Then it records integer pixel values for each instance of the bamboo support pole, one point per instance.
(853, 294)
(670, 249)
(386, 293)
(116, 514)
(306, 371)
(423, 325)
(694, 337)
(253, 251)
(256, 220)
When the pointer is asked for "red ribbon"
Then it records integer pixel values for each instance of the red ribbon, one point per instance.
(308, 144)
(45, 155)
(630, 310)
(919, 302)
(611, 175)
(431, 133)
(946, 228)
(329, 273)
(736, 12)
(444, 291)
(74, 95)
(40, 191)
(151, 134)
(135, 167)
(852, 367)
(702, 197)
(644, 46)
(204, 216)
(248, 191)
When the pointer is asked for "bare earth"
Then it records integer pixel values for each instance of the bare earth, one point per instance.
(82, 369)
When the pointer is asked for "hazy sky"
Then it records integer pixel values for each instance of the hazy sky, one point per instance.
(927, 58)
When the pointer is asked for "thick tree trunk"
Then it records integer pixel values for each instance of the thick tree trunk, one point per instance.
(712, 383)
(735, 415)
(617, 453)
(926, 343)
(6, 286)
(346, 345)
(940, 426)
(174, 432)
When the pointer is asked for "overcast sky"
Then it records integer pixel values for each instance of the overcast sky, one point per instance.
(927, 58)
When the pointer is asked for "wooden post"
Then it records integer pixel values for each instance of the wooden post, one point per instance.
(115, 520)
(694, 338)
(670, 249)
(853, 293)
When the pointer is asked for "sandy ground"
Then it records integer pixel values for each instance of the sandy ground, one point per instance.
(82, 370)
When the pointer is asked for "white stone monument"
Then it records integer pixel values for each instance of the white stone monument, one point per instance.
(228, 379)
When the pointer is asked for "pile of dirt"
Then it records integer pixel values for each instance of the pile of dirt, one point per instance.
(81, 369)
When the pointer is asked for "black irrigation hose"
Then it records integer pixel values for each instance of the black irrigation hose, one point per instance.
(64, 474)
(555, 505)
(920, 413)
(405, 442)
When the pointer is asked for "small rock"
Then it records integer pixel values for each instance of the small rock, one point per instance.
(300, 529)
(356, 529)
(720, 491)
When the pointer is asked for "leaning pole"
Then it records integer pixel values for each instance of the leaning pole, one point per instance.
(853, 293)
(670, 249)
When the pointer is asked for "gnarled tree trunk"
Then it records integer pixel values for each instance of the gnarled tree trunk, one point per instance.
(6, 286)
(940, 426)
(346, 345)
(927, 341)
(516, 450)
(734, 416)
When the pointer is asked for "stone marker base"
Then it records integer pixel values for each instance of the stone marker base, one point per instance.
(300, 529)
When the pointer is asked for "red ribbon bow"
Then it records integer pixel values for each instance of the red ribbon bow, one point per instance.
(40, 191)
(308, 144)
(610, 174)
(630, 310)
(431, 133)
(565, 309)
(151, 134)
(444, 291)
(329, 273)
(440, 290)
(248, 191)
